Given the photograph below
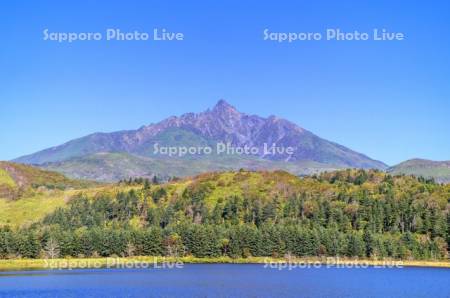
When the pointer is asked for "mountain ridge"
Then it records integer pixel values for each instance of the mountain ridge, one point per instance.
(111, 167)
(223, 123)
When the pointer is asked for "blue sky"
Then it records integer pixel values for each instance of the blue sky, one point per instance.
(389, 100)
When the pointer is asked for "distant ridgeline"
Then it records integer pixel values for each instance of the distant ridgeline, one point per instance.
(240, 214)
(218, 139)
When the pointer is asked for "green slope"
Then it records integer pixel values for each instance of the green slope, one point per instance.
(110, 167)
(438, 170)
(18, 180)
(216, 187)
(241, 214)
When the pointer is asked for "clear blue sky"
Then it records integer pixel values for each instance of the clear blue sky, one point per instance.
(389, 100)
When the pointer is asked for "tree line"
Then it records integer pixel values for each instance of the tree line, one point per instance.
(397, 217)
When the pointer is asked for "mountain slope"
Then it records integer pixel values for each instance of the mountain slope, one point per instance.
(110, 167)
(221, 125)
(438, 170)
(18, 179)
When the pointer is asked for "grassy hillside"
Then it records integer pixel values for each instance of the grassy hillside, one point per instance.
(27, 193)
(27, 210)
(18, 180)
(438, 170)
(34, 206)
(216, 187)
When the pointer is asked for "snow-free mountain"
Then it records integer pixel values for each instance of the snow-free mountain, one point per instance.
(429, 169)
(117, 155)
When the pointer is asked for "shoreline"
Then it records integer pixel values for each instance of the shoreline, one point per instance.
(146, 262)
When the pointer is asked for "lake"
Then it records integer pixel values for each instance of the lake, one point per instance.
(229, 280)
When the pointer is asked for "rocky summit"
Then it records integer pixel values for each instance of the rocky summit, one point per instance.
(222, 124)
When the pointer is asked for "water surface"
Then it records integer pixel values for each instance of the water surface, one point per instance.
(228, 280)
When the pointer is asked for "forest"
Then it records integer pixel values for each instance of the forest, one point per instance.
(349, 213)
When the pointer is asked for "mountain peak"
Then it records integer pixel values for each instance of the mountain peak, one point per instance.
(223, 103)
(223, 106)
(222, 124)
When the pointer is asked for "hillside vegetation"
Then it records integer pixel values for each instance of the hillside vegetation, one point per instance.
(18, 180)
(437, 170)
(112, 167)
(353, 213)
(27, 193)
